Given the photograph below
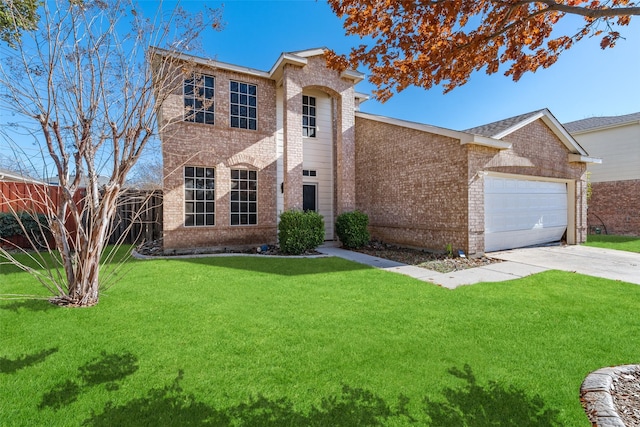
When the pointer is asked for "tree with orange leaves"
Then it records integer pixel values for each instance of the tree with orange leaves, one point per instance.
(431, 42)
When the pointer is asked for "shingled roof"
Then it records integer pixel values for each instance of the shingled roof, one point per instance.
(601, 122)
(496, 128)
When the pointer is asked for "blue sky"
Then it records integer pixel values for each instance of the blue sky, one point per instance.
(585, 82)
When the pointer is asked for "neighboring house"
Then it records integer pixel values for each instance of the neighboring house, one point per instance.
(10, 176)
(241, 145)
(614, 206)
(101, 181)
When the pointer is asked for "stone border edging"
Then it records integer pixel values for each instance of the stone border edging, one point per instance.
(595, 395)
(137, 255)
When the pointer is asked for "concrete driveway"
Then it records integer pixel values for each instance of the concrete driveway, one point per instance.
(605, 263)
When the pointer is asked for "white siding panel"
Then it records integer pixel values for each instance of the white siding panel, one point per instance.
(619, 149)
(318, 156)
(522, 213)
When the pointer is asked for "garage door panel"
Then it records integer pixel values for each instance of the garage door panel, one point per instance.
(521, 238)
(523, 212)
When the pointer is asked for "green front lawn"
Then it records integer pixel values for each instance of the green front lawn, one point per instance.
(326, 342)
(621, 243)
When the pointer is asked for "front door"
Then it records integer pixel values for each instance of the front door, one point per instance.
(309, 197)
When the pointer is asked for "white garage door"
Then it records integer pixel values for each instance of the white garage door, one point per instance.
(521, 213)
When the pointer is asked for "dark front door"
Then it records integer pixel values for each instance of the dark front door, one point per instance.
(309, 197)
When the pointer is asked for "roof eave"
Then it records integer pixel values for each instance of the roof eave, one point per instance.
(605, 127)
(355, 76)
(578, 158)
(553, 124)
(209, 62)
(484, 141)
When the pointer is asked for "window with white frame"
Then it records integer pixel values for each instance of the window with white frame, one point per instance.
(244, 105)
(199, 196)
(198, 99)
(244, 197)
(308, 116)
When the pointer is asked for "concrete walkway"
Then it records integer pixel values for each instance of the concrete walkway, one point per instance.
(609, 264)
(598, 262)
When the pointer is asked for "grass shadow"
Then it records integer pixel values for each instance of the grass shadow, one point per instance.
(33, 305)
(171, 405)
(285, 266)
(105, 369)
(470, 405)
(491, 405)
(9, 366)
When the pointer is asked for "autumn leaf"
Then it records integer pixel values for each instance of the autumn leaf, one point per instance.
(429, 43)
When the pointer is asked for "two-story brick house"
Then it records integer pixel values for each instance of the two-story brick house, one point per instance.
(241, 145)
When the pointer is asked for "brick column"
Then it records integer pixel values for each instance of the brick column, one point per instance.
(345, 152)
(292, 141)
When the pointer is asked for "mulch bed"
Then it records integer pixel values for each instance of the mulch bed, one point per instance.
(434, 261)
(625, 392)
(440, 262)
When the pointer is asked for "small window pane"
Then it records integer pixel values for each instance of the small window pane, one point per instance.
(243, 103)
(244, 186)
(308, 116)
(199, 95)
(197, 211)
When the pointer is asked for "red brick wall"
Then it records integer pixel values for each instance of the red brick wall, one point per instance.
(224, 148)
(412, 185)
(425, 190)
(615, 206)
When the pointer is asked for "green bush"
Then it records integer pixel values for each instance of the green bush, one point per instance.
(299, 231)
(10, 224)
(352, 229)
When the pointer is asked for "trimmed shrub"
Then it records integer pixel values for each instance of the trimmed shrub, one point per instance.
(36, 228)
(10, 224)
(352, 229)
(299, 231)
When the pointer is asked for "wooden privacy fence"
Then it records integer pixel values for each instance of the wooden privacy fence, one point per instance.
(138, 217)
(35, 199)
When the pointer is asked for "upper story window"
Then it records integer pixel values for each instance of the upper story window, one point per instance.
(244, 105)
(244, 197)
(308, 116)
(199, 196)
(198, 99)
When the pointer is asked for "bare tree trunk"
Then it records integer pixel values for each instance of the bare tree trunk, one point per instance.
(91, 93)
